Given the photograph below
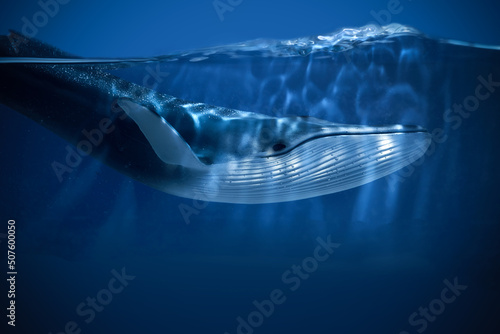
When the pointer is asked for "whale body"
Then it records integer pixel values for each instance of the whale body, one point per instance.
(195, 150)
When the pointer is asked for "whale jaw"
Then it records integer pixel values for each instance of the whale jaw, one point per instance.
(319, 167)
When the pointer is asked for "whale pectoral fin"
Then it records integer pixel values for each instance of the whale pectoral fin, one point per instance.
(168, 145)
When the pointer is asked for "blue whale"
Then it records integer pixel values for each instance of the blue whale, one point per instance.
(196, 150)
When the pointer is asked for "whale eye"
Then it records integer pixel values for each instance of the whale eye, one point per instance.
(279, 147)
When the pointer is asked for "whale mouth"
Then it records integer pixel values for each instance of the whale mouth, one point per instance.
(316, 167)
(347, 130)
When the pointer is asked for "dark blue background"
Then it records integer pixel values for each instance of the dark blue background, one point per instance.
(396, 249)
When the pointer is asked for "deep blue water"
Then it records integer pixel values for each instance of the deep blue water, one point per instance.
(399, 241)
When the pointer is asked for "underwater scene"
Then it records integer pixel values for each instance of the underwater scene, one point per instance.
(226, 167)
